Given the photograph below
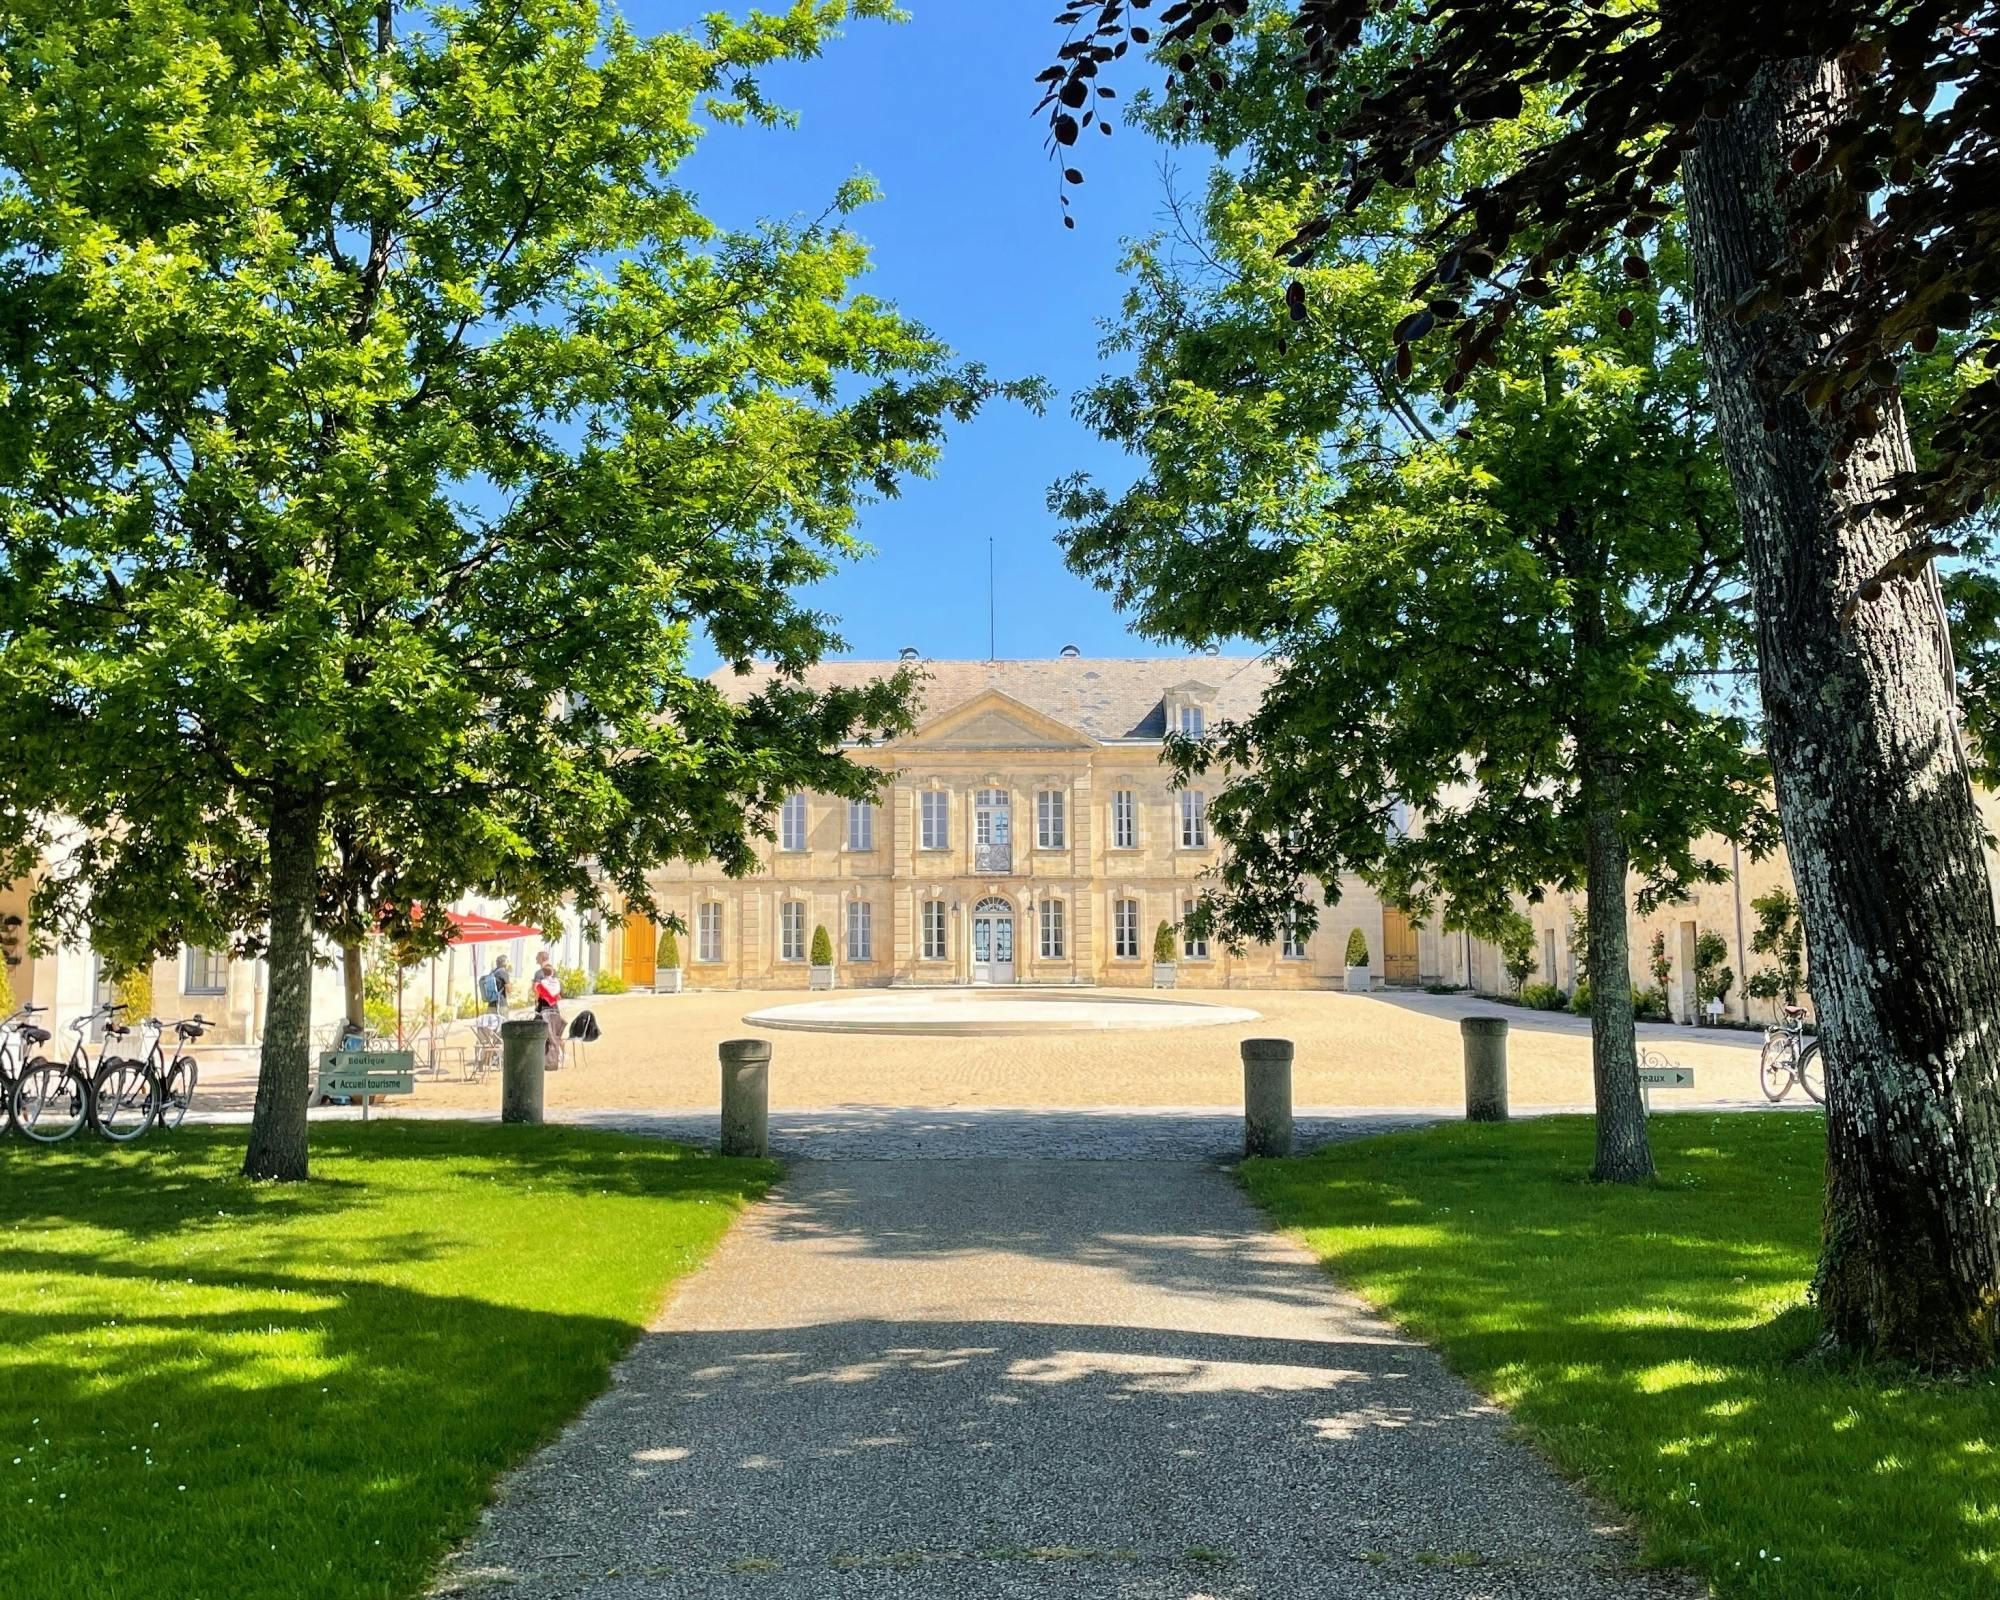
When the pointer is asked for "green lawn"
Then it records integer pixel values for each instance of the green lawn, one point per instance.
(210, 1387)
(1651, 1340)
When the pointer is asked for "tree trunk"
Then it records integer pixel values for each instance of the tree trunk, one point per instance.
(352, 985)
(1623, 1155)
(278, 1121)
(1873, 792)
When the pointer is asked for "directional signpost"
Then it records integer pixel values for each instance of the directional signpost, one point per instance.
(366, 1073)
(1657, 1072)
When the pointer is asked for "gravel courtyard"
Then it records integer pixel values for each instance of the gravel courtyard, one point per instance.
(1385, 1050)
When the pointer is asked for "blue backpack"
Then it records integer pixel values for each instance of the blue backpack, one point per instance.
(489, 989)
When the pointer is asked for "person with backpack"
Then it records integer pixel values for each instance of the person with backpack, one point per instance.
(493, 987)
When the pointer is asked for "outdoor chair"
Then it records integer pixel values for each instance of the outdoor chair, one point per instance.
(485, 1055)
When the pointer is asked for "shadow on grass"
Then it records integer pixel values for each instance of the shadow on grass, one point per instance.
(215, 1386)
(1652, 1340)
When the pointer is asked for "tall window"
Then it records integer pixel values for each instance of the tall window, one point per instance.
(1125, 930)
(1194, 820)
(792, 931)
(207, 972)
(792, 823)
(1052, 930)
(1193, 722)
(1049, 831)
(1124, 821)
(934, 930)
(860, 931)
(1295, 941)
(934, 832)
(1192, 948)
(708, 931)
(861, 824)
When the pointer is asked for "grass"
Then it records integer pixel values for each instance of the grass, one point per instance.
(1654, 1342)
(209, 1386)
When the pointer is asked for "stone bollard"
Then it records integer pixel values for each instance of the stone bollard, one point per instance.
(523, 1058)
(1267, 1097)
(1485, 1068)
(746, 1096)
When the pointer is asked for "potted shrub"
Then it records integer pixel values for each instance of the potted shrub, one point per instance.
(1164, 969)
(667, 966)
(1359, 979)
(821, 974)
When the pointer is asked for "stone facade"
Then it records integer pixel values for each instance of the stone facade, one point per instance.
(1030, 816)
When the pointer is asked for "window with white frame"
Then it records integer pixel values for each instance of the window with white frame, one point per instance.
(861, 824)
(1192, 948)
(934, 930)
(206, 972)
(792, 931)
(1052, 930)
(708, 931)
(792, 823)
(1295, 941)
(1125, 930)
(1124, 820)
(1049, 831)
(860, 931)
(934, 820)
(1399, 820)
(1194, 820)
(1193, 723)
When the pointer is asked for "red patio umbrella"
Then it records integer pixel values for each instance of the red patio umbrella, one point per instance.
(468, 928)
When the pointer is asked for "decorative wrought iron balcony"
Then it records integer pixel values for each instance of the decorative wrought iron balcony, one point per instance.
(995, 857)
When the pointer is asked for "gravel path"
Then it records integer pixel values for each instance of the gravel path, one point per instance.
(1034, 1378)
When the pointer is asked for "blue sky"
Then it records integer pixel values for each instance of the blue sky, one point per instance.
(968, 239)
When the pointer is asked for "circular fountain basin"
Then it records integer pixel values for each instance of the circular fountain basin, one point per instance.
(988, 1012)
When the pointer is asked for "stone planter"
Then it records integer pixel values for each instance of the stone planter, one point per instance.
(668, 980)
(1164, 973)
(1360, 980)
(819, 977)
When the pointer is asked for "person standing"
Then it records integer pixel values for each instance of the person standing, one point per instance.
(495, 984)
(548, 1006)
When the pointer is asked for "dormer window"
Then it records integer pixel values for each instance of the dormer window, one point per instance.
(1192, 722)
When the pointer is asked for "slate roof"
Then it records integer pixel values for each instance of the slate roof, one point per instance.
(1105, 698)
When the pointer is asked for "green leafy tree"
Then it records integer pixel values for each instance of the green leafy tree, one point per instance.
(1713, 978)
(1781, 936)
(1515, 936)
(384, 424)
(1514, 620)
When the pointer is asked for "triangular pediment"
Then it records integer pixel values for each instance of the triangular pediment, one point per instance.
(997, 721)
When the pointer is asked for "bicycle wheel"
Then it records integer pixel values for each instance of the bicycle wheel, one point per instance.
(124, 1099)
(1774, 1067)
(176, 1094)
(1812, 1068)
(51, 1101)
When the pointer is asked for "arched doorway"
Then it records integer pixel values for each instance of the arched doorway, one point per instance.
(992, 942)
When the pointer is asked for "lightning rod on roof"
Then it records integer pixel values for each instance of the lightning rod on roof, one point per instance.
(992, 649)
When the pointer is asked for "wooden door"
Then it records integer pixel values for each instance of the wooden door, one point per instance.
(642, 947)
(1399, 946)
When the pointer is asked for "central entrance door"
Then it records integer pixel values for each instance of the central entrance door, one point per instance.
(992, 942)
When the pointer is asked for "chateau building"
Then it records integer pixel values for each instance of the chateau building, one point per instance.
(1028, 833)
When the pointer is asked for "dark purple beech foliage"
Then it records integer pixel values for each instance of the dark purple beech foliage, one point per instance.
(1909, 225)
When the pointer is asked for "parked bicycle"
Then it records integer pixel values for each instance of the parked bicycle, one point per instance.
(51, 1099)
(177, 1076)
(19, 1039)
(1791, 1056)
(124, 1090)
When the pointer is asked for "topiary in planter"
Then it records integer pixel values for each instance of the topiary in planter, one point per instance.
(1357, 949)
(1163, 944)
(822, 947)
(670, 949)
